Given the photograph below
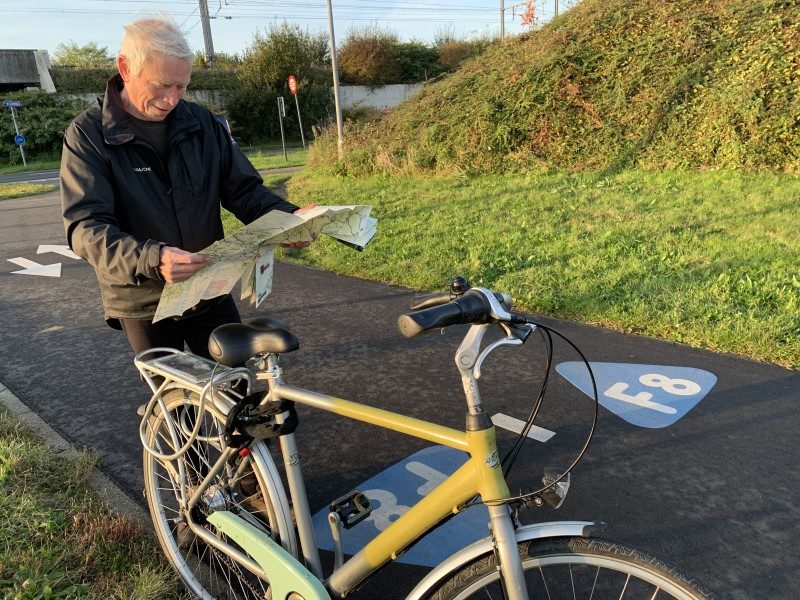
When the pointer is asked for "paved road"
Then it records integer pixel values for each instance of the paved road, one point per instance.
(716, 493)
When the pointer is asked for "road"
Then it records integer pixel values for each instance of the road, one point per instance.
(716, 493)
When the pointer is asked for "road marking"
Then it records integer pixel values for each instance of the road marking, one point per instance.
(34, 268)
(540, 434)
(62, 250)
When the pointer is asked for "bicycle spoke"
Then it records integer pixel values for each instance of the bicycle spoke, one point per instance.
(624, 587)
(594, 584)
(544, 581)
(572, 581)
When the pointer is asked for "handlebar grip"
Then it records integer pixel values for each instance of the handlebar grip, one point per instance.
(421, 302)
(472, 307)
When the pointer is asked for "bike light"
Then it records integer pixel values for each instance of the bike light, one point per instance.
(556, 492)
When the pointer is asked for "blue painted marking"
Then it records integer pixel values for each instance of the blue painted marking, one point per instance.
(396, 489)
(651, 396)
(19, 139)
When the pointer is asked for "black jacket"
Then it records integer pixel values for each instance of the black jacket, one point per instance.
(121, 204)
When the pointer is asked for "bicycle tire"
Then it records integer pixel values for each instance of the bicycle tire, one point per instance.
(204, 570)
(575, 567)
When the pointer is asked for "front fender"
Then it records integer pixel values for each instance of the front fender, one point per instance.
(481, 547)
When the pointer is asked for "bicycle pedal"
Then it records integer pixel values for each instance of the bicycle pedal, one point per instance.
(352, 508)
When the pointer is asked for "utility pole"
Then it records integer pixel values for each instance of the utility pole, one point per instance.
(556, 9)
(335, 68)
(502, 19)
(205, 19)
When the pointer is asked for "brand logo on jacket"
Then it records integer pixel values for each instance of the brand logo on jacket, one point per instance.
(142, 169)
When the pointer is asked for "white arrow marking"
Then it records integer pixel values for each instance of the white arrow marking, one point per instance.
(34, 268)
(540, 434)
(62, 250)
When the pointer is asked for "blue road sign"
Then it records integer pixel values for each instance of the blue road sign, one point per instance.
(393, 491)
(19, 139)
(12, 103)
(651, 396)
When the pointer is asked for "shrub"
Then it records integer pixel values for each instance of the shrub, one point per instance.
(370, 57)
(42, 120)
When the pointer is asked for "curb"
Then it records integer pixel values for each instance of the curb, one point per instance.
(99, 483)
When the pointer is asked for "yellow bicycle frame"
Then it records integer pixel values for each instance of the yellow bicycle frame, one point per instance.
(480, 475)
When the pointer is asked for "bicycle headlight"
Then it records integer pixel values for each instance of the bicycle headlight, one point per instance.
(556, 492)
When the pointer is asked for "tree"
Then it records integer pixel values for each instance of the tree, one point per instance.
(87, 56)
(370, 57)
(267, 63)
(284, 50)
(222, 60)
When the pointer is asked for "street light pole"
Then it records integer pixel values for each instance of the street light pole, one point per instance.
(502, 19)
(335, 67)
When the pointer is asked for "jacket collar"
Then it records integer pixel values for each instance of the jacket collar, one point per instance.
(118, 129)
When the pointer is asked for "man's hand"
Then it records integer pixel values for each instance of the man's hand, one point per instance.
(300, 245)
(178, 265)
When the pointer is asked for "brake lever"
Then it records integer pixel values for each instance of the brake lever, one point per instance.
(514, 337)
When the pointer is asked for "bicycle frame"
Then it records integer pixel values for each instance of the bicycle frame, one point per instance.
(481, 475)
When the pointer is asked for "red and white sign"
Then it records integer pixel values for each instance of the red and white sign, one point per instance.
(292, 84)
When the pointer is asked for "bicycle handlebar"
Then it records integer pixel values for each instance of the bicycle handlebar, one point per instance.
(470, 308)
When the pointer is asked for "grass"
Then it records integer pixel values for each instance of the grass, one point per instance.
(38, 165)
(707, 259)
(608, 84)
(275, 160)
(18, 190)
(58, 541)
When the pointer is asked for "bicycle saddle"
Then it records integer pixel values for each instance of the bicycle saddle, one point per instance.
(233, 344)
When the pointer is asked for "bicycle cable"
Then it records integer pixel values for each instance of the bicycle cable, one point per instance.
(531, 494)
(513, 452)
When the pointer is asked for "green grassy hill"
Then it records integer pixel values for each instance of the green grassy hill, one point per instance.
(698, 84)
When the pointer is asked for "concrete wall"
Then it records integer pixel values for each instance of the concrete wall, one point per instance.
(25, 68)
(359, 96)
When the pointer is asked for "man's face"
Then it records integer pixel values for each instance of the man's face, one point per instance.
(155, 90)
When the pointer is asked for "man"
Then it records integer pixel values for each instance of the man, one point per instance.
(143, 175)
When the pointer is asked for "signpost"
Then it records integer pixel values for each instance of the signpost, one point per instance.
(293, 90)
(281, 115)
(19, 139)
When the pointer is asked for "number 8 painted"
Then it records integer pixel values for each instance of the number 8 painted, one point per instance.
(678, 387)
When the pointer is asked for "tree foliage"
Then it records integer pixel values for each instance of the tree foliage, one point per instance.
(224, 61)
(369, 57)
(87, 56)
(283, 50)
(42, 119)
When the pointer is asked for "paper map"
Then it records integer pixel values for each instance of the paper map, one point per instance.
(247, 255)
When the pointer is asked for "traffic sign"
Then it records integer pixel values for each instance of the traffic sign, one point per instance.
(292, 84)
(12, 103)
(19, 139)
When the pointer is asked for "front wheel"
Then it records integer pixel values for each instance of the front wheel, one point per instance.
(575, 567)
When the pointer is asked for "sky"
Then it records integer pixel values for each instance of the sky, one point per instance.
(43, 24)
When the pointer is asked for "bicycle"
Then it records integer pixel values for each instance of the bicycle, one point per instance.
(224, 519)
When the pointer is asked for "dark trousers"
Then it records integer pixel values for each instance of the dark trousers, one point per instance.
(192, 330)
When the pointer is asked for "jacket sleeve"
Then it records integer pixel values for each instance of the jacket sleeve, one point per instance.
(87, 205)
(242, 189)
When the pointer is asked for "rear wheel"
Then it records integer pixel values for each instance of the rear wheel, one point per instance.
(244, 487)
(575, 568)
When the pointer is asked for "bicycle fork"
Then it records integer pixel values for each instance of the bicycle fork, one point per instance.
(481, 443)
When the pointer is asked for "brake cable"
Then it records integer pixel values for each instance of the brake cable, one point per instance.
(528, 495)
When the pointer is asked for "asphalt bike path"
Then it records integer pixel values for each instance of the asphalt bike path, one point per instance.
(694, 458)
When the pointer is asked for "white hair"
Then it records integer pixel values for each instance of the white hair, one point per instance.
(153, 34)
